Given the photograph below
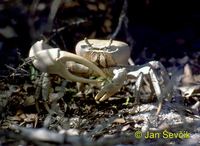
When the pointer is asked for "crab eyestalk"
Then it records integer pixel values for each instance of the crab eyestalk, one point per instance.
(110, 42)
(53, 61)
(87, 42)
(115, 51)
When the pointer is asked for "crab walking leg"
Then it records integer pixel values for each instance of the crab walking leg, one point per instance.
(138, 85)
(53, 61)
(165, 81)
(157, 89)
(161, 83)
(110, 89)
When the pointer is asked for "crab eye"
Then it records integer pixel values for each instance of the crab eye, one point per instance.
(84, 46)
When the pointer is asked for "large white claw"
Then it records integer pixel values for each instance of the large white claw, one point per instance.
(110, 89)
(53, 61)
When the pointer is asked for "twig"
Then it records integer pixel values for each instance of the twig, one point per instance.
(20, 68)
(54, 8)
(121, 19)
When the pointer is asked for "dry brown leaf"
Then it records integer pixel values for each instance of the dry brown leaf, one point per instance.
(119, 121)
(187, 76)
(27, 86)
(107, 25)
(183, 60)
(92, 35)
(197, 78)
(29, 100)
(126, 127)
(92, 7)
(71, 4)
(8, 32)
(190, 90)
(102, 6)
(196, 106)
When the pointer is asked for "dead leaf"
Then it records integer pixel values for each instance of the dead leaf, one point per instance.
(183, 60)
(107, 25)
(196, 106)
(102, 6)
(8, 32)
(71, 4)
(119, 121)
(126, 127)
(92, 7)
(29, 100)
(190, 90)
(187, 76)
(27, 86)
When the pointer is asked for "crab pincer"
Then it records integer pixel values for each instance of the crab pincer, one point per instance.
(53, 61)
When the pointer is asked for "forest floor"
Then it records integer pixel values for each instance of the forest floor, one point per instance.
(79, 120)
(26, 117)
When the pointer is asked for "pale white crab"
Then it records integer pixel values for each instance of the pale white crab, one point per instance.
(112, 57)
(105, 58)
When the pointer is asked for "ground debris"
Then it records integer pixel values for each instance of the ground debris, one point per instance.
(77, 120)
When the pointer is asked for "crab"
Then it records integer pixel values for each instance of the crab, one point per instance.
(104, 58)
(112, 57)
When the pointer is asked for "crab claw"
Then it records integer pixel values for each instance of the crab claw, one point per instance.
(53, 61)
(113, 87)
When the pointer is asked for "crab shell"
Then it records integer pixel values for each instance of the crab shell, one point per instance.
(103, 54)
